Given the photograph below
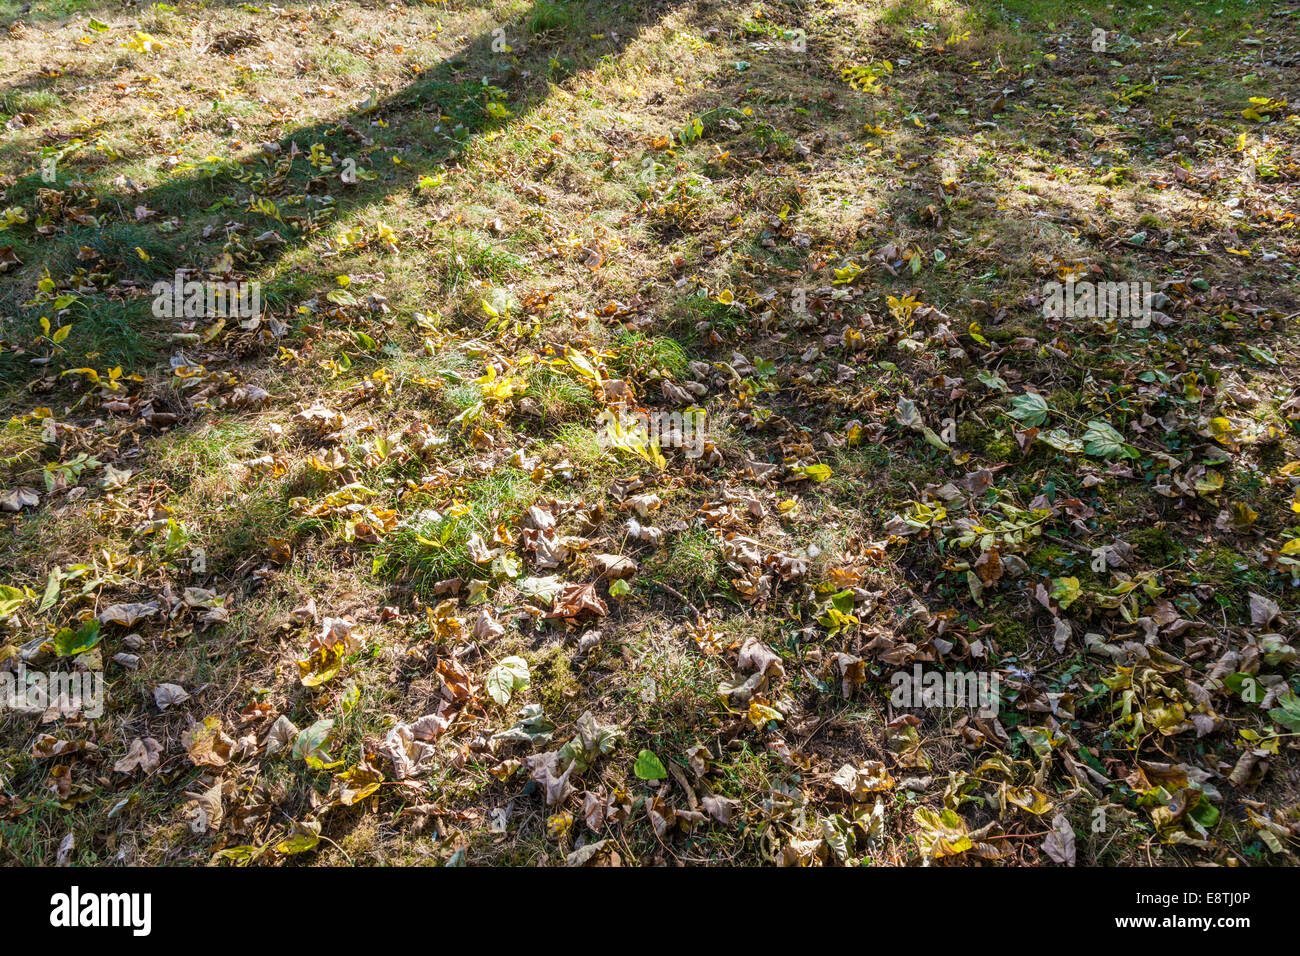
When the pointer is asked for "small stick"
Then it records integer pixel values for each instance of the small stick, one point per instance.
(677, 594)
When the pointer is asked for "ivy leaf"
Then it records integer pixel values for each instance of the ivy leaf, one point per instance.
(993, 380)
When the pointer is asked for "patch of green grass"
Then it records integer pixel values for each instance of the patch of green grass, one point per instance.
(639, 353)
(117, 243)
(429, 547)
(559, 397)
(689, 562)
(548, 16)
(29, 101)
(503, 495)
(582, 446)
(691, 318)
(105, 333)
(242, 524)
(208, 447)
(48, 9)
(469, 256)
(339, 62)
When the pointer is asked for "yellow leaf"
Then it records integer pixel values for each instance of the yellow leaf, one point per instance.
(323, 664)
(357, 783)
(1222, 431)
(760, 714)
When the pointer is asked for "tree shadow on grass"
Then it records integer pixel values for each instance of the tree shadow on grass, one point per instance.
(268, 208)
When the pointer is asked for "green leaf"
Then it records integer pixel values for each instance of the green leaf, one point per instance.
(943, 834)
(543, 589)
(1060, 439)
(506, 566)
(239, 855)
(51, 591)
(69, 643)
(310, 745)
(341, 297)
(1288, 715)
(907, 414)
(1103, 441)
(649, 767)
(1204, 813)
(1245, 685)
(1029, 409)
(933, 438)
(506, 678)
(1211, 482)
(1039, 739)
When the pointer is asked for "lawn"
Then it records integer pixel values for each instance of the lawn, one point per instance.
(521, 433)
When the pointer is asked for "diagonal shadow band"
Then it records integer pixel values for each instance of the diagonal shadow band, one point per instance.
(491, 82)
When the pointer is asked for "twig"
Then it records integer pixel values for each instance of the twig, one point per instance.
(668, 588)
(1064, 542)
(1016, 836)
